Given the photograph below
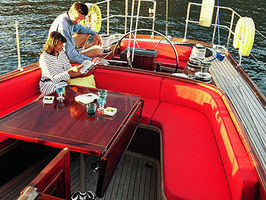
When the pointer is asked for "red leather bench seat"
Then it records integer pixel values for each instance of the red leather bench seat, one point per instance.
(240, 174)
(201, 114)
(146, 86)
(165, 53)
(192, 165)
(17, 92)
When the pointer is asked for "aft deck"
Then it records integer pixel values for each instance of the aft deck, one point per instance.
(247, 105)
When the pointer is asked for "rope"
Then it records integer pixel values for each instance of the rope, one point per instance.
(259, 62)
(261, 34)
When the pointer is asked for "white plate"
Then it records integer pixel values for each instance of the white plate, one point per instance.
(86, 98)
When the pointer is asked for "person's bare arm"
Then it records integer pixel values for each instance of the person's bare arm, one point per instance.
(74, 71)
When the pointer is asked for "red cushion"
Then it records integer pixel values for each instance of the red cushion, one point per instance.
(19, 89)
(240, 173)
(17, 106)
(150, 105)
(192, 165)
(18, 92)
(146, 86)
(164, 49)
(143, 85)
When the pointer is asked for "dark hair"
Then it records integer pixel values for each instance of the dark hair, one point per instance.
(80, 8)
(52, 40)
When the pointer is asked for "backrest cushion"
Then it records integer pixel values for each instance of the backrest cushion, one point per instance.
(19, 88)
(164, 50)
(146, 86)
(240, 173)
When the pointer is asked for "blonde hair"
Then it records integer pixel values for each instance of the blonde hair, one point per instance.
(52, 40)
(80, 8)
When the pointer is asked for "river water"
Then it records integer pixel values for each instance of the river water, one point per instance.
(35, 17)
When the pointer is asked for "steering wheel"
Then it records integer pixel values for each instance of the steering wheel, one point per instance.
(149, 30)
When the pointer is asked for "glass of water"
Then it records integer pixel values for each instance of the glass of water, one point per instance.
(102, 94)
(60, 90)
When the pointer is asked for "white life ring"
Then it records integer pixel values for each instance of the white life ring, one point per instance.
(244, 35)
(94, 17)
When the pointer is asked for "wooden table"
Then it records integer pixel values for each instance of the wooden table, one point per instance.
(69, 126)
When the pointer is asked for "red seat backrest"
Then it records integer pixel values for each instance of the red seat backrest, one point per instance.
(19, 88)
(139, 84)
(239, 171)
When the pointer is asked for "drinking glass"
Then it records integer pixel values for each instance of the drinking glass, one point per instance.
(102, 94)
(60, 89)
(91, 109)
(101, 102)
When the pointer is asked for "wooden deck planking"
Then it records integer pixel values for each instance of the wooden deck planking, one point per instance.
(248, 107)
(12, 189)
(255, 111)
(135, 181)
(235, 94)
(132, 180)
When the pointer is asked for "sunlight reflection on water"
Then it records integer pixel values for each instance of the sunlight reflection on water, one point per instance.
(35, 17)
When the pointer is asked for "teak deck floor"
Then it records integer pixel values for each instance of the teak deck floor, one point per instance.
(132, 179)
(248, 107)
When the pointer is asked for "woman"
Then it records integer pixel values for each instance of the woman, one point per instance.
(55, 65)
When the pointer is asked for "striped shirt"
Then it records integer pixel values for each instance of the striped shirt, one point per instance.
(54, 70)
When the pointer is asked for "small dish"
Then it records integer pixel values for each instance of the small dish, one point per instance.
(110, 111)
(48, 99)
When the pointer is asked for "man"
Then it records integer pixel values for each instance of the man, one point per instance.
(67, 24)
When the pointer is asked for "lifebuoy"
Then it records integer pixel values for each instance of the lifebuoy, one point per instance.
(244, 35)
(93, 19)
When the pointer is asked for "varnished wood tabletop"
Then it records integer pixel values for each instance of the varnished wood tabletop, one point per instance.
(68, 125)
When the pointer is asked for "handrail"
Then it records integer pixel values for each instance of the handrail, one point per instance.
(18, 47)
(215, 25)
(230, 31)
(125, 16)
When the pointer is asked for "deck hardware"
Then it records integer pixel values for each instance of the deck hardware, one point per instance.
(149, 164)
(89, 195)
(96, 166)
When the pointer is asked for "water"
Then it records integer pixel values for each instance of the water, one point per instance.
(35, 17)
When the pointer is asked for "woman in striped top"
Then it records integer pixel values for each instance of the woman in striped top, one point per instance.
(54, 64)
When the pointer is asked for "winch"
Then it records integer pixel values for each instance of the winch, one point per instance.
(198, 66)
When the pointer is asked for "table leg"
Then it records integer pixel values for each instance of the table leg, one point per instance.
(82, 173)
